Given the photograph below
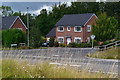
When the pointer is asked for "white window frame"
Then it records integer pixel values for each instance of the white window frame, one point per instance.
(87, 28)
(67, 28)
(62, 38)
(77, 38)
(60, 30)
(76, 30)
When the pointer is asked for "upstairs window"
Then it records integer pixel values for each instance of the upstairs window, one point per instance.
(60, 28)
(77, 40)
(77, 28)
(88, 28)
(68, 28)
(61, 39)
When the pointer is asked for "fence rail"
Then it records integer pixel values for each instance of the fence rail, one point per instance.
(108, 46)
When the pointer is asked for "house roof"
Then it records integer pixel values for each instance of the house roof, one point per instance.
(52, 33)
(74, 19)
(8, 21)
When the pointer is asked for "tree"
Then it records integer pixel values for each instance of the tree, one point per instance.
(6, 10)
(105, 28)
(13, 36)
(35, 37)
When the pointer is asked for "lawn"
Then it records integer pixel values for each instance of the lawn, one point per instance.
(106, 54)
(22, 69)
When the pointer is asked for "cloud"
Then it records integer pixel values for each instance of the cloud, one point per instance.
(48, 8)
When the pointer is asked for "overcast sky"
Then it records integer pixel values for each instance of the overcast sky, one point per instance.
(35, 6)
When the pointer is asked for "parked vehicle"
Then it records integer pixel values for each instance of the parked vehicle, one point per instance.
(45, 44)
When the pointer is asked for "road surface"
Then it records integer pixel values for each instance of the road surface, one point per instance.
(75, 57)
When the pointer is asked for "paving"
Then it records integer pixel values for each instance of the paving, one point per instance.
(75, 57)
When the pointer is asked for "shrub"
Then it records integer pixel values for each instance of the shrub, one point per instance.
(73, 45)
(56, 44)
(51, 42)
(62, 45)
(13, 36)
(79, 45)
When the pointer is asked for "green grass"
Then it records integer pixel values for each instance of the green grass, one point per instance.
(107, 54)
(21, 69)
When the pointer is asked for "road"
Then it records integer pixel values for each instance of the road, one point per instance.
(61, 56)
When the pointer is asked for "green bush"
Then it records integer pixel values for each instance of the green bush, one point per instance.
(73, 45)
(13, 36)
(62, 45)
(51, 42)
(79, 45)
(56, 44)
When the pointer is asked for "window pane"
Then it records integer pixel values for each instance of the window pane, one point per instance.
(88, 27)
(68, 28)
(60, 40)
(77, 40)
(60, 28)
(77, 28)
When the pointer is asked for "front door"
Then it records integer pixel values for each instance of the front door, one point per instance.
(68, 40)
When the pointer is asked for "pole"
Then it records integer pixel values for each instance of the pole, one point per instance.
(28, 26)
(92, 43)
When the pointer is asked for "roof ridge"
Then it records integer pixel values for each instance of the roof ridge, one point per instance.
(79, 14)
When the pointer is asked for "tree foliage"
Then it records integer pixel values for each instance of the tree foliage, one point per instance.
(35, 37)
(13, 36)
(105, 28)
(45, 21)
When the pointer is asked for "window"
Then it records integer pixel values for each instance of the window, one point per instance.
(77, 40)
(77, 28)
(88, 28)
(68, 28)
(61, 39)
(60, 28)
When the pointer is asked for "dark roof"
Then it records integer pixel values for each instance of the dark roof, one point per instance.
(52, 33)
(74, 19)
(8, 21)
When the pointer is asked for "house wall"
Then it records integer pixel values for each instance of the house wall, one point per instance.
(88, 34)
(84, 34)
(66, 33)
(19, 24)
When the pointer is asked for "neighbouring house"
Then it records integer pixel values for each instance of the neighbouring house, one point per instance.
(13, 22)
(73, 28)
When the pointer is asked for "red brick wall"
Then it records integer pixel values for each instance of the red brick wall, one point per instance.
(91, 22)
(84, 34)
(18, 24)
(66, 33)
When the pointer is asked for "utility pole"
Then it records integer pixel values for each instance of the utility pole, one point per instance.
(28, 27)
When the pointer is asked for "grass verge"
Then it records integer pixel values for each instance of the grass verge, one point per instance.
(107, 54)
(21, 69)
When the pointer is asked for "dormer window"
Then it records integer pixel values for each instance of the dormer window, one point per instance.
(77, 28)
(60, 28)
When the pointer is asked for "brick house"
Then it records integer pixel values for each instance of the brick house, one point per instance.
(13, 22)
(73, 28)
